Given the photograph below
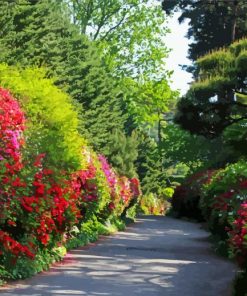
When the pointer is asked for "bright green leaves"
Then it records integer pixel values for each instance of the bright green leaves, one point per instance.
(53, 121)
(130, 32)
(149, 100)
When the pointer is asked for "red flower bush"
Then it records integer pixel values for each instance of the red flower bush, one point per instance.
(39, 204)
(238, 235)
(123, 190)
(12, 123)
(224, 206)
(135, 187)
(12, 246)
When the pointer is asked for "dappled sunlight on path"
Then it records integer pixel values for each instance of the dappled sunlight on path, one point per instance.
(155, 256)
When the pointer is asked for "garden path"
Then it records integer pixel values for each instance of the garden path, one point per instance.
(155, 256)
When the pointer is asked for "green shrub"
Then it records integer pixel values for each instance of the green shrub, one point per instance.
(52, 119)
(150, 204)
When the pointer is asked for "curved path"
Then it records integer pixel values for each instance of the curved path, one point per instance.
(155, 256)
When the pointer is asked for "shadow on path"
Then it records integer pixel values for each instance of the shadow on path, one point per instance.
(155, 256)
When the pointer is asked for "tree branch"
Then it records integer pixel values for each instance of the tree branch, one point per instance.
(114, 27)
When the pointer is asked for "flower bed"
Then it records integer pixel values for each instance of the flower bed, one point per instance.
(45, 201)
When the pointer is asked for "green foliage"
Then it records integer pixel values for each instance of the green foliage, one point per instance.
(34, 34)
(195, 152)
(41, 34)
(149, 100)
(25, 267)
(238, 46)
(235, 137)
(205, 89)
(129, 31)
(217, 100)
(208, 30)
(53, 121)
(149, 166)
(102, 118)
(123, 152)
(151, 205)
(217, 62)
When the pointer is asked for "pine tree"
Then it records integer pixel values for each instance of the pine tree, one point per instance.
(102, 118)
(123, 152)
(35, 33)
(213, 23)
(150, 167)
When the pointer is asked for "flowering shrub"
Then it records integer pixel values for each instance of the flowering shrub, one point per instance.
(51, 118)
(238, 234)
(222, 196)
(223, 204)
(41, 202)
(123, 190)
(11, 140)
(151, 205)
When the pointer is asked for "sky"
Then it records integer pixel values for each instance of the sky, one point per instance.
(177, 41)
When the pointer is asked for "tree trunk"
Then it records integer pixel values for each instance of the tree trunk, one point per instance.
(234, 21)
(159, 131)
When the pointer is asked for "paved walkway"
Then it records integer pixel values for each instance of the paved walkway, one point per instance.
(157, 256)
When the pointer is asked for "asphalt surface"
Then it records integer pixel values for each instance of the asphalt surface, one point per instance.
(155, 256)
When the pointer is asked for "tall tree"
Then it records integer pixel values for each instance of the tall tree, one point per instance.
(218, 99)
(150, 166)
(130, 32)
(148, 101)
(213, 23)
(34, 33)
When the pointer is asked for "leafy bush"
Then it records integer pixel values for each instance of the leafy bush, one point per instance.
(222, 202)
(51, 182)
(52, 120)
(223, 195)
(151, 205)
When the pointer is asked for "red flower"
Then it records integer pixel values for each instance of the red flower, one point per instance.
(243, 184)
(111, 206)
(11, 223)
